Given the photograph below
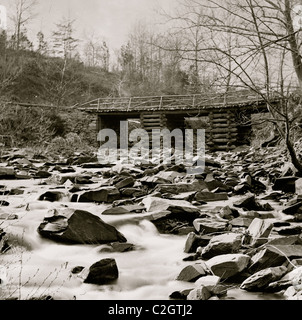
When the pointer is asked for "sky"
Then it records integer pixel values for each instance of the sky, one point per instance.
(110, 20)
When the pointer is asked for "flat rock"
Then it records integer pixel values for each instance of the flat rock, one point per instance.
(125, 183)
(290, 251)
(7, 173)
(191, 273)
(228, 265)
(133, 192)
(241, 222)
(104, 194)
(292, 278)
(211, 196)
(207, 225)
(222, 244)
(78, 227)
(285, 184)
(116, 211)
(249, 203)
(181, 187)
(159, 204)
(116, 247)
(214, 184)
(186, 196)
(201, 293)
(293, 208)
(290, 230)
(42, 174)
(209, 281)
(286, 240)
(260, 280)
(266, 258)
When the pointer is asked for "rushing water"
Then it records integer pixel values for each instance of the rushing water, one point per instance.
(37, 267)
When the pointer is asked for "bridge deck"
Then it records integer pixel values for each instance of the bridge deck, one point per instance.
(175, 103)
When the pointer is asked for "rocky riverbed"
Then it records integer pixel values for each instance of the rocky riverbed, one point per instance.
(75, 229)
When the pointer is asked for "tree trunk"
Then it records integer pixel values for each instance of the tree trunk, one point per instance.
(296, 57)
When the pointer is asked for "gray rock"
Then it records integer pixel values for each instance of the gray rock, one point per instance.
(104, 194)
(286, 240)
(192, 272)
(266, 258)
(292, 278)
(102, 272)
(285, 184)
(290, 230)
(201, 293)
(52, 196)
(228, 213)
(116, 211)
(211, 196)
(260, 280)
(7, 173)
(181, 187)
(228, 265)
(159, 204)
(258, 232)
(222, 244)
(298, 187)
(78, 227)
(194, 241)
(210, 282)
(241, 222)
(127, 182)
(207, 225)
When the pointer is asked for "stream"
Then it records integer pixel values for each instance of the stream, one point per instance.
(37, 267)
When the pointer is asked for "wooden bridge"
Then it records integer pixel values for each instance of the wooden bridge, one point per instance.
(227, 117)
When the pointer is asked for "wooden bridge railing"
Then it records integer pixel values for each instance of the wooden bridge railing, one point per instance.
(162, 103)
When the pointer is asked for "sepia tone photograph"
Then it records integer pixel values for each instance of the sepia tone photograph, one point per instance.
(151, 150)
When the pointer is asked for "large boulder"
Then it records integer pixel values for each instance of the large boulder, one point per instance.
(78, 227)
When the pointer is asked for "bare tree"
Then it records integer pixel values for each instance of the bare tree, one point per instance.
(96, 52)
(64, 47)
(258, 34)
(23, 13)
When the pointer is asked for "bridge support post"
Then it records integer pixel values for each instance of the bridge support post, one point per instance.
(222, 135)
